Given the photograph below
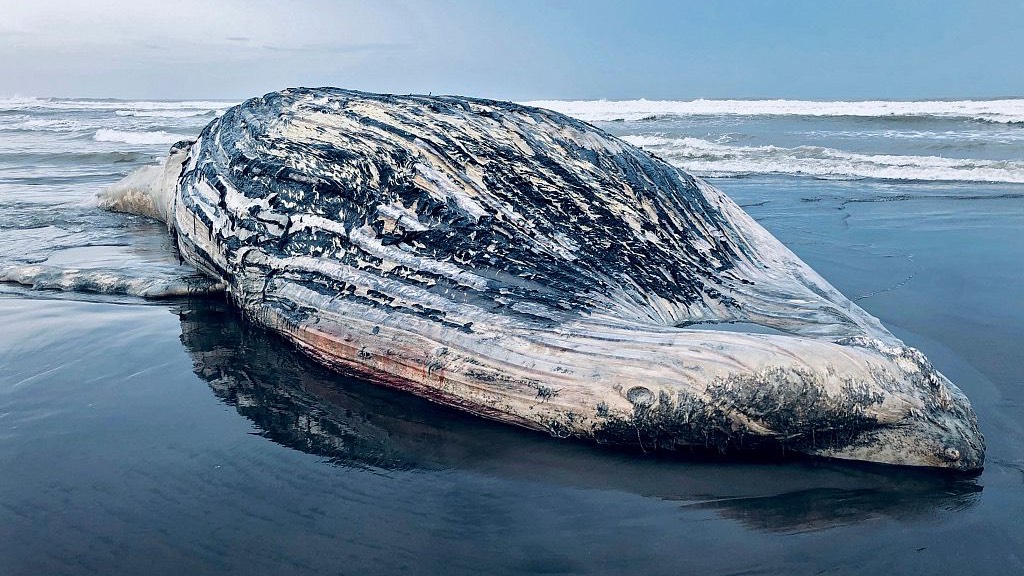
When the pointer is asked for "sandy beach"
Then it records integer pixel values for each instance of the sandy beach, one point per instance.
(170, 436)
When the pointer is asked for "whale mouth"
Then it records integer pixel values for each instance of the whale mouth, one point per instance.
(958, 441)
(918, 447)
(941, 437)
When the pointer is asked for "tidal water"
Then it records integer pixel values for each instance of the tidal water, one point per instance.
(171, 437)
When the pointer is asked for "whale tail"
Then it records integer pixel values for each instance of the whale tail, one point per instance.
(148, 191)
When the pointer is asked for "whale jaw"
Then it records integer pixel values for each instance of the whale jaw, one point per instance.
(942, 432)
(947, 444)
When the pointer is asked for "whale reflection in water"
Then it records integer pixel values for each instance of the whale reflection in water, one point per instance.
(297, 403)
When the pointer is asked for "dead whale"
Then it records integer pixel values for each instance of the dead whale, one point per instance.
(527, 267)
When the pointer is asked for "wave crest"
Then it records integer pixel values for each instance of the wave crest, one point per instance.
(1000, 111)
(30, 102)
(165, 113)
(26, 123)
(713, 159)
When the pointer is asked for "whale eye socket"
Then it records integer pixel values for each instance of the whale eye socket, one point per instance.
(640, 396)
(952, 454)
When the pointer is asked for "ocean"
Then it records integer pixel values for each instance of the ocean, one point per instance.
(160, 435)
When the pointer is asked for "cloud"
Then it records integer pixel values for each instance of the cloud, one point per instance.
(64, 25)
(175, 48)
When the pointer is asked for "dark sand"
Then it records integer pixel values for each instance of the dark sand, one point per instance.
(171, 438)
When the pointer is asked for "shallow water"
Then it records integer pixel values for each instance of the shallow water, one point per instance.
(169, 437)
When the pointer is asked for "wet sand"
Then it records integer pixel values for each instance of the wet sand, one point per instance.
(171, 437)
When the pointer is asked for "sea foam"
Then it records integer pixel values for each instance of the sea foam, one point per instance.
(137, 137)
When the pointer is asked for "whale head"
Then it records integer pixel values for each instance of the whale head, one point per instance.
(937, 429)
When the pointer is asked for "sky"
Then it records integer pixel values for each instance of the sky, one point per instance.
(517, 49)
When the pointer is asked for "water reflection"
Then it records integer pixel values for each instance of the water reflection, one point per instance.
(297, 403)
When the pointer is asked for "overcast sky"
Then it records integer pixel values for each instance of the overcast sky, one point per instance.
(515, 50)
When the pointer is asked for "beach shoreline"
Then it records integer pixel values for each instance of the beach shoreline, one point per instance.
(129, 446)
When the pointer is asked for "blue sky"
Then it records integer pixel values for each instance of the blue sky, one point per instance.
(523, 49)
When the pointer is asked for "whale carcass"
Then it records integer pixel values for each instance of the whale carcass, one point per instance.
(527, 267)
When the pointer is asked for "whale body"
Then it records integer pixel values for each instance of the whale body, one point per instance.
(530, 268)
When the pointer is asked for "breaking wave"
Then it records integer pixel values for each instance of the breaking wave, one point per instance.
(166, 113)
(137, 137)
(714, 159)
(73, 158)
(1000, 111)
(32, 103)
(23, 122)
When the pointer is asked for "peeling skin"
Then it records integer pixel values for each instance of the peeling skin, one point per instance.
(529, 268)
(43, 277)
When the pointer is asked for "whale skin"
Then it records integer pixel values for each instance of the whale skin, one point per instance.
(530, 268)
